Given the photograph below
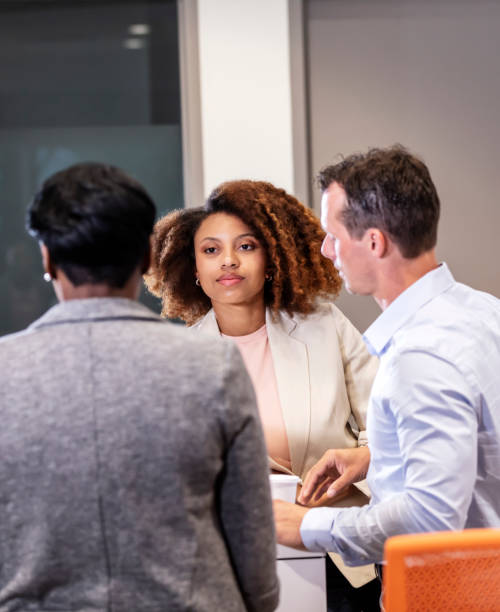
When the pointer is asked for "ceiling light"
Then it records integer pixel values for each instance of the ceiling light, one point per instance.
(133, 43)
(139, 29)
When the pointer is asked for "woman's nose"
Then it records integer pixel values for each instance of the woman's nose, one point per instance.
(229, 261)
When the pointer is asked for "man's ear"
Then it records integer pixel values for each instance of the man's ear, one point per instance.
(376, 242)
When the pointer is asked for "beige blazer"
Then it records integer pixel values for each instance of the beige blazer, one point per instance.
(324, 375)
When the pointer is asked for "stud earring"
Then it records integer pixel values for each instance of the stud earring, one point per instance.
(47, 277)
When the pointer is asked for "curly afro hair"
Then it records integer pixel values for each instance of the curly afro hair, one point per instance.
(289, 232)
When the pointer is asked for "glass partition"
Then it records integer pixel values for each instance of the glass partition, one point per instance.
(81, 81)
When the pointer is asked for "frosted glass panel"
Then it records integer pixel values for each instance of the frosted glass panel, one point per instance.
(94, 82)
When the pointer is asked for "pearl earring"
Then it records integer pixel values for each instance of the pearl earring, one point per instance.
(47, 277)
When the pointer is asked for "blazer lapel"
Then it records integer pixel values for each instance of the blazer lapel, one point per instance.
(291, 367)
(208, 324)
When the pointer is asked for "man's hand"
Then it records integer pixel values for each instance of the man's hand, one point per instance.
(334, 472)
(287, 518)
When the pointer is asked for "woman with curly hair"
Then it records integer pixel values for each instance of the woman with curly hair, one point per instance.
(248, 266)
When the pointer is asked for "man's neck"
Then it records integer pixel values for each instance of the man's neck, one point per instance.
(399, 273)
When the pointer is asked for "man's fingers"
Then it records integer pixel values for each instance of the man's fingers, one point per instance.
(322, 489)
(315, 493)
(311, 482)
(316, 475)
(339, 485)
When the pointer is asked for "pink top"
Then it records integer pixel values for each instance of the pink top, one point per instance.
(256, 353)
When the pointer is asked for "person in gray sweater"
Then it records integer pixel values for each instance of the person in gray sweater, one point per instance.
(133, 472)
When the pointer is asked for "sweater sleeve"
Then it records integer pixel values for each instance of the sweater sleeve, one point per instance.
(245, 500)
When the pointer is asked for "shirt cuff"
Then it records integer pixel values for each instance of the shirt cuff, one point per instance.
(316, 529)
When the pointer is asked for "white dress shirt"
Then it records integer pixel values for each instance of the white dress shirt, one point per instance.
(433, 422)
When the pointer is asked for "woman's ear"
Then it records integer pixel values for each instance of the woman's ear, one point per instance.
(48, 266)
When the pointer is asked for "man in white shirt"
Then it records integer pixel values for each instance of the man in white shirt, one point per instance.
(433, 425)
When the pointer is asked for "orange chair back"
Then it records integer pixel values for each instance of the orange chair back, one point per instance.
(457, 571)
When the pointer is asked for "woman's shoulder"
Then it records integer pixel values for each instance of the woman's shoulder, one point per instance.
(207, 324)
(325, 311)
(326, 319)
(306, 326)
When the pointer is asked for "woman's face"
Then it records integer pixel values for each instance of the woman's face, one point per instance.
(230, 261)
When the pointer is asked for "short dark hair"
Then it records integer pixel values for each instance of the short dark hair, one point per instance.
(95, 221)
(389, 189)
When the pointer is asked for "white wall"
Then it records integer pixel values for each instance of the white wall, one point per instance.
(423, 73)
(243, 94)
(245, 91)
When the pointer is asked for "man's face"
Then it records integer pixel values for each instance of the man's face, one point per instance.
(350, 256)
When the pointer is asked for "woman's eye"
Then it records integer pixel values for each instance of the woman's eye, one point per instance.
(209, 250)
(247, 247)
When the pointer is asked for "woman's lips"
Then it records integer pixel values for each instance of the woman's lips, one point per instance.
(228, 280)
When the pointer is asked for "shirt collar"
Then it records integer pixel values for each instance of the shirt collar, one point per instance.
(80, 310)
(426, 288)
